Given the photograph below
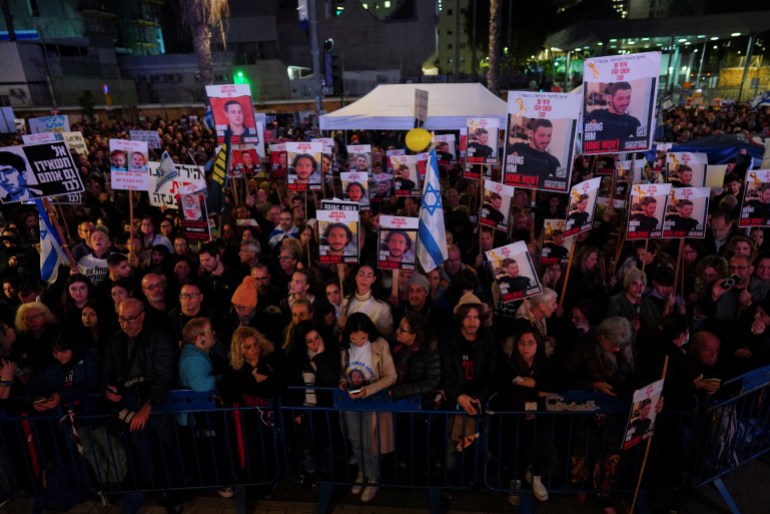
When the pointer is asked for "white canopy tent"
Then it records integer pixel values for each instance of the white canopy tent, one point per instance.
(391, 107)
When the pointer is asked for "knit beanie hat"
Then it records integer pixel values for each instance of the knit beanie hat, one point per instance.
(246, 293)
(420, 281)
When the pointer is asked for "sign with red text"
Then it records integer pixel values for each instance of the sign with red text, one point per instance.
(540, 139)
(514, 272)
(648, 204)
(580, 212)
(686, 213)
(619, 95)
(338, 236)
(397, 240)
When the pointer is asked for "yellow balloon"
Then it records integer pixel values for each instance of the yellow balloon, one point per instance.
(417, 139)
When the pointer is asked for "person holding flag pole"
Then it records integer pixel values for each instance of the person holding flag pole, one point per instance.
(431, 234)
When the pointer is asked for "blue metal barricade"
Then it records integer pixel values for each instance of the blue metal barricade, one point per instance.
(733, 430)
(186, 444)
(430, 450)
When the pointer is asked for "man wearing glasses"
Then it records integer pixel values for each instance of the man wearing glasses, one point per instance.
(137, 372)
(730, 299)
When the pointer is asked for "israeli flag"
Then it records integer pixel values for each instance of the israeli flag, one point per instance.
(431, 236)
(51, 253)
(167, 170)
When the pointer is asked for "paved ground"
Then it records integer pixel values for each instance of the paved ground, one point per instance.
(750, 488)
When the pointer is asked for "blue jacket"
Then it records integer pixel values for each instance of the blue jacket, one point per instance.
(51, 378)
(195, 369)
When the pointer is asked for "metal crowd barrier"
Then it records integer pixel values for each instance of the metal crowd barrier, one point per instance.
(733, 431)
(190, 444)
(433, 450)
(187, 444)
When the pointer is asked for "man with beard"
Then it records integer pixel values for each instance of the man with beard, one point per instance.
(534, 157)
(616, 123)
(645, 222)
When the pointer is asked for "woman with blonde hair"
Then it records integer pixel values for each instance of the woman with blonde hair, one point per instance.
(258, 372)
(36, 329)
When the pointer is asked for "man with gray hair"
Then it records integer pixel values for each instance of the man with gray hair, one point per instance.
(420, 302)
(249, 255)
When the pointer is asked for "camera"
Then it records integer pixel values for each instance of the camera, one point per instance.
(730, 281)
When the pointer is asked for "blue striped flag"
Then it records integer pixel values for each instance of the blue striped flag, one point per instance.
(51, 253)
(431, 236)
(167, 170)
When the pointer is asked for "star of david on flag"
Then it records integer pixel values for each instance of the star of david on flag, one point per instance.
(51, 252)
(431, 236)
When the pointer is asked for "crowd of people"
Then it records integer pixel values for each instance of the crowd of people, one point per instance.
(254, 311)
(683, 124)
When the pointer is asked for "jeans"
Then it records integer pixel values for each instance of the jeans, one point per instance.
(360, 429)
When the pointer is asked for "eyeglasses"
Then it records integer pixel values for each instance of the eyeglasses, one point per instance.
(209, 332)
(32, 317)
(129, 321)
(241, 307)
(151, 287)
(189, 296)
(737, 268)
(405, 331)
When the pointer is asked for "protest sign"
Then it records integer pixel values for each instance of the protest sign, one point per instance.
(151, 137)
(580, 213)
(231, 106)
(360, 157)
(686, 213)
(755, 211)
(648, 204)
(514, 272)
(397, 240)
(37, 171)
(40, 137)
(76, 142)
(686, 169)
(540, 139)
(406, 177)
(279, 161)
(58, 123)
(496, 206)
(338, 236)
(556, 247)
(641, 420)
(190, 180)
(354, 184)
(482, 140)
(619, 102)
(446, 152)
(304, 166)
(194, 224)
(128, 164)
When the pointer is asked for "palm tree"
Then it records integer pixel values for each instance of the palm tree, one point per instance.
(200, 16)
(493, 73)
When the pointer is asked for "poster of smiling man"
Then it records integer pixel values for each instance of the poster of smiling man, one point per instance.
(619, 102)
(540, 141)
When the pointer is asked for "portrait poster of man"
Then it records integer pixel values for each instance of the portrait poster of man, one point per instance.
(279, 161)
(482, 140)
(245, 162)
(406, 177)
(641, 170)
(686, 213)
(540, 140)
(496, 205)
(687, 169)
(755, 211)
(582, 201)
(128, 164)
(304, 166)
(660, 165)
(355, 186)
(641, 420)
(328, 154)
(338, 236)
(231, 106)
(619, 102)
(514, 272)
(397, 240)
(381, 188)
(648, 204)
(556, 247)
(360, 158)
(194, 223)
(37, 171)
(445, 148)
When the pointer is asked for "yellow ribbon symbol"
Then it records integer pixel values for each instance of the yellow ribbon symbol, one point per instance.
(674, 160)
(593, 68)
(576, 195)
(639, 192)
(520, 103)
(754, 178)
